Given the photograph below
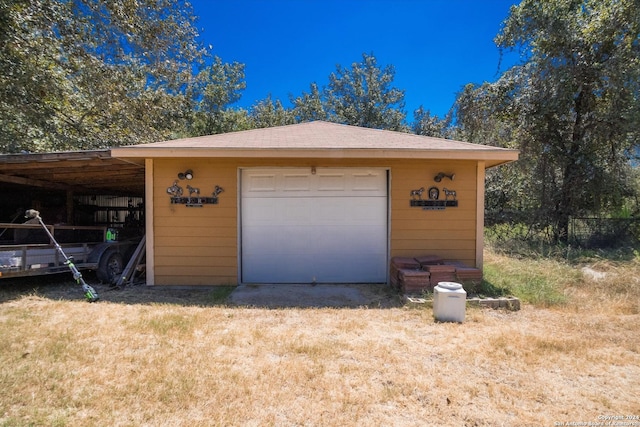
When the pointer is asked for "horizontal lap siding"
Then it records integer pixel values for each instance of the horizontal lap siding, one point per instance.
(195, 245)
(449, 233)
(199, 245)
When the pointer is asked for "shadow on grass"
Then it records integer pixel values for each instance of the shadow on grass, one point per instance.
(488, 289)
(63, 288)
(535, 249)
(316, 296)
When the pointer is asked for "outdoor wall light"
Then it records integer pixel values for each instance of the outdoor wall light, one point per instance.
(188, 174)
(441, 175)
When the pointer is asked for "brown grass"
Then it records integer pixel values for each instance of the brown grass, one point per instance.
(70, 363)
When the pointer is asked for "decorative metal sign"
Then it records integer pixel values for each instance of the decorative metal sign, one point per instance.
(175, 191)
(192, 202)
(434, 202)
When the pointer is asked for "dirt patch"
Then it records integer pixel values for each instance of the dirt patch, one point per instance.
(306, 296)
(60, 287)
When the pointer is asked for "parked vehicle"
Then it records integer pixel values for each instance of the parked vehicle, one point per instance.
(26, 250)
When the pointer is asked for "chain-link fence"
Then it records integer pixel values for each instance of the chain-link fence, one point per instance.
(583, 232)
(604, 232)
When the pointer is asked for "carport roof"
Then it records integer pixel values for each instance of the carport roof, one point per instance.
(320, 140)
(84, 172)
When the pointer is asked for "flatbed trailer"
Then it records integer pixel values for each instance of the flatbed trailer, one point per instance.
(26, 251)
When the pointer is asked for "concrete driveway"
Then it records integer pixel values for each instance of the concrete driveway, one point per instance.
(306, 296)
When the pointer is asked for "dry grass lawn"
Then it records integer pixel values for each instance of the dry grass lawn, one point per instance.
(70, 363)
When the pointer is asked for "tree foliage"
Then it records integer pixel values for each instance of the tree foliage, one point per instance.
(572, 105)
(363, 95)
(81, 74)
(84, 74)
(427, 125)
(310, 106)
(217, 86)
(267, 113)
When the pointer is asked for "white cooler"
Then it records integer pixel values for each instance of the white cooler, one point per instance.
(449, 302)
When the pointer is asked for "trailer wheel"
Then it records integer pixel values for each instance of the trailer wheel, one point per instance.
(110, 267)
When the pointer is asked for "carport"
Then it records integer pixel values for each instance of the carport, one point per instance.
(55, 182)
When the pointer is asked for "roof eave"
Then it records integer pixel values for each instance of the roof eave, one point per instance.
(490, 156)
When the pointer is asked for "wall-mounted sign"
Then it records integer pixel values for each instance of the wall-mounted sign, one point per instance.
(192, 202)
(175, 191)
(434, 202)
(434, 205)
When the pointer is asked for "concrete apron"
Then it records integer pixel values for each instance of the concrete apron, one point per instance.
(306, 295)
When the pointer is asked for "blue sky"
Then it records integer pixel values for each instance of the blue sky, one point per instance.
(436, 46)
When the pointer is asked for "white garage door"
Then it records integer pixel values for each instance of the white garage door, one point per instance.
(299, 227)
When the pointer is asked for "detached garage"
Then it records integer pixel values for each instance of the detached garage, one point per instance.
(309, 203)
(303, 225)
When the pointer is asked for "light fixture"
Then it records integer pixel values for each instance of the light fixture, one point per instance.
(188, 174)
(313, 170)
(441, 175)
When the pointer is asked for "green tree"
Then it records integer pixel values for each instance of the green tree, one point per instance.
(81, 74)
(363, 95)
(216, 87)
(572, 105)
(484, 115)
(30, 83)
(427, 125)
(310, 106)
(267, 113)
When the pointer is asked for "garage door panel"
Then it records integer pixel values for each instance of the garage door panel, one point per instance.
(261, 182)
(257, 238)
(331, 182)
(321, 242)
(330, 227)
(367, 181)
(258, 211)
(298, 182)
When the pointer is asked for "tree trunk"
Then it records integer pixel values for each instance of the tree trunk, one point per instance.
(565, 206)
(571, 174)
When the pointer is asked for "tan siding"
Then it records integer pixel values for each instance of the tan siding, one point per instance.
(433, 246)
(223, 210)
(197, 232)
(480, 184)
(437, 219)
(193, 278)
(149, 217)
(204, 225)
(449, 233)
(196, 245)
(428, 225)
(199, 246)
(213, 259)
(435, 234)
